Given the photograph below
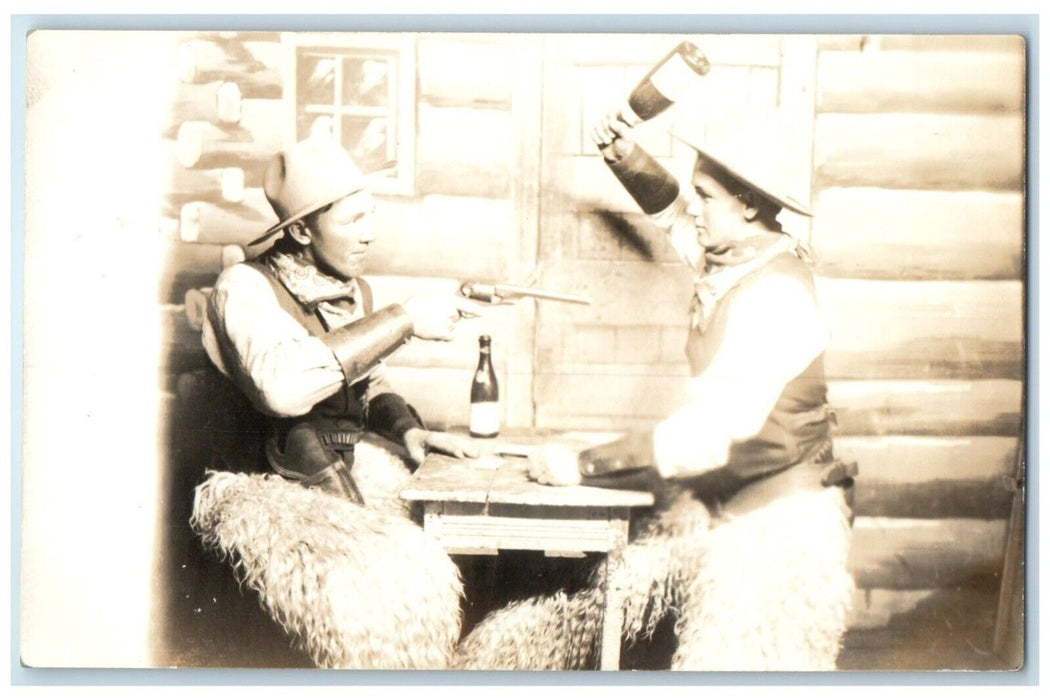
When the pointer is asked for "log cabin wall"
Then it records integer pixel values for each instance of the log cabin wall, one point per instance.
(918, 172)
(915, 150)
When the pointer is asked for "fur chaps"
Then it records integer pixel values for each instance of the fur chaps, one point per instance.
(774, 590)
(768, 590)
(357, 587)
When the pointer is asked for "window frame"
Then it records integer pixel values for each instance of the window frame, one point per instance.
(403, 94)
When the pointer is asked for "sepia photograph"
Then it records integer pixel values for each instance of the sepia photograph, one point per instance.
(524, 351)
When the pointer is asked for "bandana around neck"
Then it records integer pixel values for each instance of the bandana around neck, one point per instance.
(308, 284)
(724, 270)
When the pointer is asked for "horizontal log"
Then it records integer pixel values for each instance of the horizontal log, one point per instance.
(184, 185)
(468, 152)
(896, 553)
(440, 236)
(907, 460)
(983, 499)
(193, 258)
(946, 407)
(919, 151)
(908, 477)
(919, 234)
(249, 144)
(465, 72)
(923, 330)
(218, 102)
(913, 81)
(226, 222)
(249, 64)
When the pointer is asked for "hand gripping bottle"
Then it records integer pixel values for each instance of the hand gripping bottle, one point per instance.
(645, 179)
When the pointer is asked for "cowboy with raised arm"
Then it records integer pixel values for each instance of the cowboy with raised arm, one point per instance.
(753, 441)
(295, 331)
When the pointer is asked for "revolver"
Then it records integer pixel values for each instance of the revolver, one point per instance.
(510, 293)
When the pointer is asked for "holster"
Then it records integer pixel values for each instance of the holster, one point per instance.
(318, 452)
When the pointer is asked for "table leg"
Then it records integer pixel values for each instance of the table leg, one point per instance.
(612, 622)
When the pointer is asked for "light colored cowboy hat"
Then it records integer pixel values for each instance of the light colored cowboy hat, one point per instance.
(306, 178)
(754, 153)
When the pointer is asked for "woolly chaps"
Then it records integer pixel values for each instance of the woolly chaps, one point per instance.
(357, 587)
(768, 590)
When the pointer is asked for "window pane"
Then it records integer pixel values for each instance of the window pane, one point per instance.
(315, 81)
(368, 141)
(366, 82)
(313, 124)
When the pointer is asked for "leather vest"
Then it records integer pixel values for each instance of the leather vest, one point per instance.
(348, 403)
(799, 425)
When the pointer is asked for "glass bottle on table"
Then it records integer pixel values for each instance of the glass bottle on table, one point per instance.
(484, 394)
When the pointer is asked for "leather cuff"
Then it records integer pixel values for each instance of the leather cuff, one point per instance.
(391, 417)
(649, 183)
(629, 453)
(363, 344)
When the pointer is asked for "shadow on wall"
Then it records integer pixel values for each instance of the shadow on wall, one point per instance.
(626, 234)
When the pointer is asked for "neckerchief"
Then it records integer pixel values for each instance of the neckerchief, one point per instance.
(723, 271)
(316, 290)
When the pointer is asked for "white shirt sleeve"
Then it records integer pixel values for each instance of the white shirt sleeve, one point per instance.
(282, 368)
(774, 330)
(678, 226)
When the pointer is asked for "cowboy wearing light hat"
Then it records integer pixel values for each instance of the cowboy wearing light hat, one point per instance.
(753, 442)
(295, 331)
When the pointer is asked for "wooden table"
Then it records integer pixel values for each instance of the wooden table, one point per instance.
(480, 506)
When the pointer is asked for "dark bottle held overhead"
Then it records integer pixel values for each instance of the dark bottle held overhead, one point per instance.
(647, 181)
(484, 394)
(665, 83)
